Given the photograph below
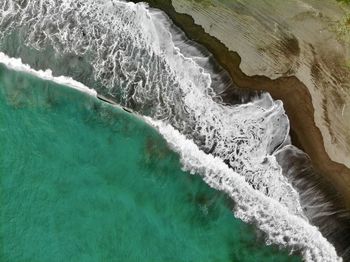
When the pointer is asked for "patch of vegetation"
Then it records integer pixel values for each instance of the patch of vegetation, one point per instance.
(344, 1)
(343, 27)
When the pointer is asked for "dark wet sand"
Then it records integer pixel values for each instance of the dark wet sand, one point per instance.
(294, 94)
(331, 178)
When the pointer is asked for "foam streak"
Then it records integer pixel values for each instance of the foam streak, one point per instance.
(251, 206)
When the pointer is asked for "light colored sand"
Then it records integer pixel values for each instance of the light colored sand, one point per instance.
(282, 38)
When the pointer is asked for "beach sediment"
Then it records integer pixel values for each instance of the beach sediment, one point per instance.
(333, 177)
(290, 90)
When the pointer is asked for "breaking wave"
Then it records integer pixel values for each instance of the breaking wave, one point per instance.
(251, 205)
(139, 59)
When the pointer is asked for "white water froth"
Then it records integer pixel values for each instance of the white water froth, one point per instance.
(250, 205)
(133, 54)
(16, 64)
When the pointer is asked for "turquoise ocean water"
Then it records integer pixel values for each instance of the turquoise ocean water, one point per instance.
(82, 180)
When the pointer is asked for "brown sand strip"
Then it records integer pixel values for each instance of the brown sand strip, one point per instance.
(294, 94)
(328, 178)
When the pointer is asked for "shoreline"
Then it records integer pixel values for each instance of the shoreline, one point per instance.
(17, 66)
(253, 198)
(331, 178)
(93, 135)
(297, 38)
(290, 90)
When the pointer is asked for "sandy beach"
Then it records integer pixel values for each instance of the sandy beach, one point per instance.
(310, 80)
(315, 105)
(294, 38)
(238, 101)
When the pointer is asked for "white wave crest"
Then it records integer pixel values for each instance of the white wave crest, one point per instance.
(16, 64)
(134, 56)
(250, 205)
(132, 52)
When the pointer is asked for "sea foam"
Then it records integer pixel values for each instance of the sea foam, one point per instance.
(134, 56)
(251, 205)
(16, 64)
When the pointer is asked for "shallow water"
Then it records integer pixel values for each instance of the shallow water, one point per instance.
(137, 57)
(84, 181)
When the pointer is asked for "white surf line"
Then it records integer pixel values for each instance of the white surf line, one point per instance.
(251, 206)
(134, 56)
(17, 65)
